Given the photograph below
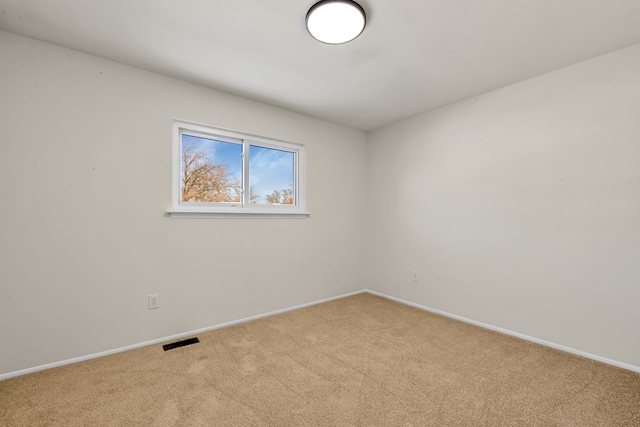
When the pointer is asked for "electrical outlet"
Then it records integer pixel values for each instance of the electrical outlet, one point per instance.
(415, 276)
(154, 301)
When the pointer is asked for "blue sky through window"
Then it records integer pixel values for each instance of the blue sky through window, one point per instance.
(269, 169)
(219, 152)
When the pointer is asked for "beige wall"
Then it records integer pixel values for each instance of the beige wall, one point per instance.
(520, 208)
(85, 179)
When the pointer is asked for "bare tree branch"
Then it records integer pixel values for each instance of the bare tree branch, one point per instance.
(203, 181)
(280, 197)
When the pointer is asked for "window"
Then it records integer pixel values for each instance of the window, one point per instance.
(220, 173)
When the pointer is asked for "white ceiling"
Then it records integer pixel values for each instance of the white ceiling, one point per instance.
(413, 56)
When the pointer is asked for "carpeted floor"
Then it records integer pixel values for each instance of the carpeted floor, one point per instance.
(356, 361)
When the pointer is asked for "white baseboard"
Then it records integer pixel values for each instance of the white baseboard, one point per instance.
(273, 313)
(165, 339)
(511, 333)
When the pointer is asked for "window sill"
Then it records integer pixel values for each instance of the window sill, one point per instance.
(205, 215)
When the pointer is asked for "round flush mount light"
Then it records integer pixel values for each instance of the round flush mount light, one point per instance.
(335, 21)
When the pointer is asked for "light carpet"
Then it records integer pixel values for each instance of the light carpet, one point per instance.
(357, 361)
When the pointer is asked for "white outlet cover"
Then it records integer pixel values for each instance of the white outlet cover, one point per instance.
(154, 301)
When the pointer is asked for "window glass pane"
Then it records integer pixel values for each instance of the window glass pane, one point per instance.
(211, 170)
(271, 176)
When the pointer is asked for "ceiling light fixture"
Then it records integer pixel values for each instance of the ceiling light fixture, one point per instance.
(335, 21)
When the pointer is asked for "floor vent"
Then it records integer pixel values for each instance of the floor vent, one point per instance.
(180, 344)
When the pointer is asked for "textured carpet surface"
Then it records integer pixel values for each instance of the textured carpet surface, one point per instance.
(357, 361)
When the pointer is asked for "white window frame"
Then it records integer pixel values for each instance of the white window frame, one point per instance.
(244, 209)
